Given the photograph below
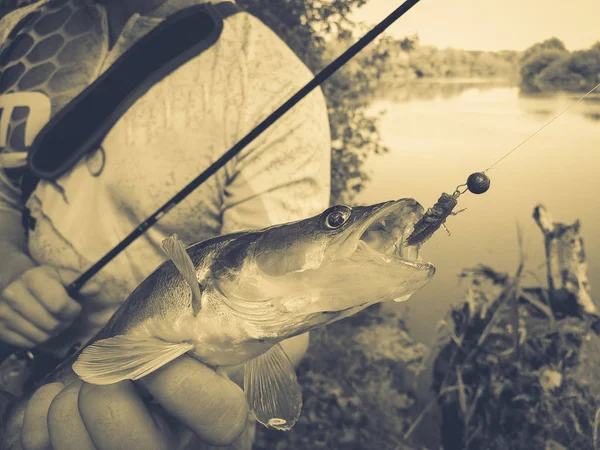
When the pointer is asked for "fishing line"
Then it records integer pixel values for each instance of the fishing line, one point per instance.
(477, 183)
(540, 129)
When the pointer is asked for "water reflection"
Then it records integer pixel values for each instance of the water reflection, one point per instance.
(553, 103)
(541, 112)
(433, 90)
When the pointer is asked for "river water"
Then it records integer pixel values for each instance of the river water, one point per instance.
(440, 133)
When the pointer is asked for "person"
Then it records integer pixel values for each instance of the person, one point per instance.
(168, 136)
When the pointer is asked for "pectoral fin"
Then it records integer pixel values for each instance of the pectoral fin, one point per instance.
(176, 251)
(272, 390)
(125, 358)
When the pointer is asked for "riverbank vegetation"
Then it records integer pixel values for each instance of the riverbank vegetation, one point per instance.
(518, 366)
(407, 60)
(548, 66)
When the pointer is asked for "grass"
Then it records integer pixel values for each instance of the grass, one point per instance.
(515, 374)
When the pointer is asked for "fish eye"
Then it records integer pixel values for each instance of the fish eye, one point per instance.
(337, 216)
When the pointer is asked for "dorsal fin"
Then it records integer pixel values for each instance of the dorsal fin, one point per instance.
(178, 254)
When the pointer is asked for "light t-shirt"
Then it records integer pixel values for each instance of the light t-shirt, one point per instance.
(171, 134)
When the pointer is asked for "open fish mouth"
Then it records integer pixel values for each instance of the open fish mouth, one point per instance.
(346, 259)
(382, 237)
(373, 263)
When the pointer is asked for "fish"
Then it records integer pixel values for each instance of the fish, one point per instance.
(229, 301)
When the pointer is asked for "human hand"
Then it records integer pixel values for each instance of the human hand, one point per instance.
(35, 306)
(194, 403)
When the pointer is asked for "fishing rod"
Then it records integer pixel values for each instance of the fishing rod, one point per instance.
(74, 288)
(322, 76)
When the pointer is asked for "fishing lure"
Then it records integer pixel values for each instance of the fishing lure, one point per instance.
(477, 183)
(436, 216)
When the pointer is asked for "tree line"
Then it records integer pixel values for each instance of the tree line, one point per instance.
(407, 59)
(543, 67)
(548, 66)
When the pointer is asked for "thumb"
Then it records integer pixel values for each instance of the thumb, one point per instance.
(67, 276)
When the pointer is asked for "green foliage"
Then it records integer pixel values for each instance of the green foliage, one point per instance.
(548, 44)
(534, 65)
(549, 66)
(558, 75)
(409, 44)
(586, 62)
(514, 374)
(432, 62)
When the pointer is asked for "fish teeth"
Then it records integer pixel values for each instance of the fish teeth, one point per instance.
(412, 252)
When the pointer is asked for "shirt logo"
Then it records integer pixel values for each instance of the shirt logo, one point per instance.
(40, 110)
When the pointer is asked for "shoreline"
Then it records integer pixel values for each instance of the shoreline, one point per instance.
(464, 80)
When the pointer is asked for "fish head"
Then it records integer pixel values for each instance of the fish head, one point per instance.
(293, 277)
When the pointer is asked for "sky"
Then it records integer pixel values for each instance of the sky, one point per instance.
(491, 24)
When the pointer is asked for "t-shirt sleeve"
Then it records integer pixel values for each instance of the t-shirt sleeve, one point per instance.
(284, 175)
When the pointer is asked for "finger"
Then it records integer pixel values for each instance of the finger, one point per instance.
(234, 373)
(35, 426)
(45, 285)
(116, 418)
(11, 337)
(65, 426)
(19, 324)
(213, 407)
(67, 277)
(246, 440)
(18, 297)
